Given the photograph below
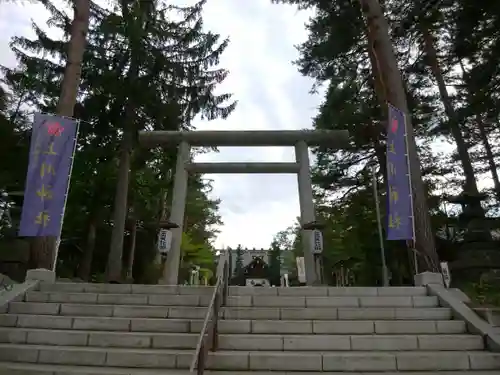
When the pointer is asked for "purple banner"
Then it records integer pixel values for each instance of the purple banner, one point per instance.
(51, 153)
(400, 207)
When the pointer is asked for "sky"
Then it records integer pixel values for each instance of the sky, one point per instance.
(271, 95)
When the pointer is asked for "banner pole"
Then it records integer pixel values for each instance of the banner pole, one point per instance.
(58, 240)
(385, 273)
(413, 245)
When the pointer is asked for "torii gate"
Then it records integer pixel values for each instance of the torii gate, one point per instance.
(300, 139)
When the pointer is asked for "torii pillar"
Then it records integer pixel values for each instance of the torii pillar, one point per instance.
(171, 268)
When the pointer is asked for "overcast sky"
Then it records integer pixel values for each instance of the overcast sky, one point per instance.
(271, 95)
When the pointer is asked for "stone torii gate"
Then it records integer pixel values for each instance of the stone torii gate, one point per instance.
(300, 139)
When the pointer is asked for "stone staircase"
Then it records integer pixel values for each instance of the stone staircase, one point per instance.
(76, 328)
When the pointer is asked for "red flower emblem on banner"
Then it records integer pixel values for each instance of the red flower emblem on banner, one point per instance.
(55, 128)
(394, 126)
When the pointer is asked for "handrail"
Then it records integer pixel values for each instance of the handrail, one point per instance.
(208, 339)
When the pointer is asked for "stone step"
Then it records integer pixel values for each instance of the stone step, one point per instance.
(252, 360)
(233, 290)
(236, 301)
(125, 288)
(255, 342)
(341, 313)
(288, 313)
(11, 368)
(235, 326)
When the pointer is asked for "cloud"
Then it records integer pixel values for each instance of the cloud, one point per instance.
(271, 95)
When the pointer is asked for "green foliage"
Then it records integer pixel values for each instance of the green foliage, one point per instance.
(146, 69)
(238, 269)
(337, 56)
(178, 74)
(195, 254)
(486, 291)
(275, 261)
(290, 247)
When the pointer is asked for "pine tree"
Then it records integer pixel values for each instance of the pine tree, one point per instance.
(451, 37)
(175, 83)
(45, 247)
(238, 268)
(275, 260)
(187, 68)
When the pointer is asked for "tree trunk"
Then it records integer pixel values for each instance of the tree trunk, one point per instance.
(133, 237)
(379, 87)
(470, 180)
(43, 248)
(114, 266)
(489, 155)
(86, 263)
(76, 49)
(483, 135)
(378, 82)
(396, 95)
(16, 112)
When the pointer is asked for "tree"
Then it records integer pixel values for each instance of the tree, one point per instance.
(186, 66)
(238, 265)
(275, 260)
(343, 64)
(344, 55)
(45, 248)
(196, 255)
(395, 93)
(35, 83)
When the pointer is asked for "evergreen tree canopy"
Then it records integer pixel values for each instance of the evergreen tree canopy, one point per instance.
(447, 52)
(145, 67)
